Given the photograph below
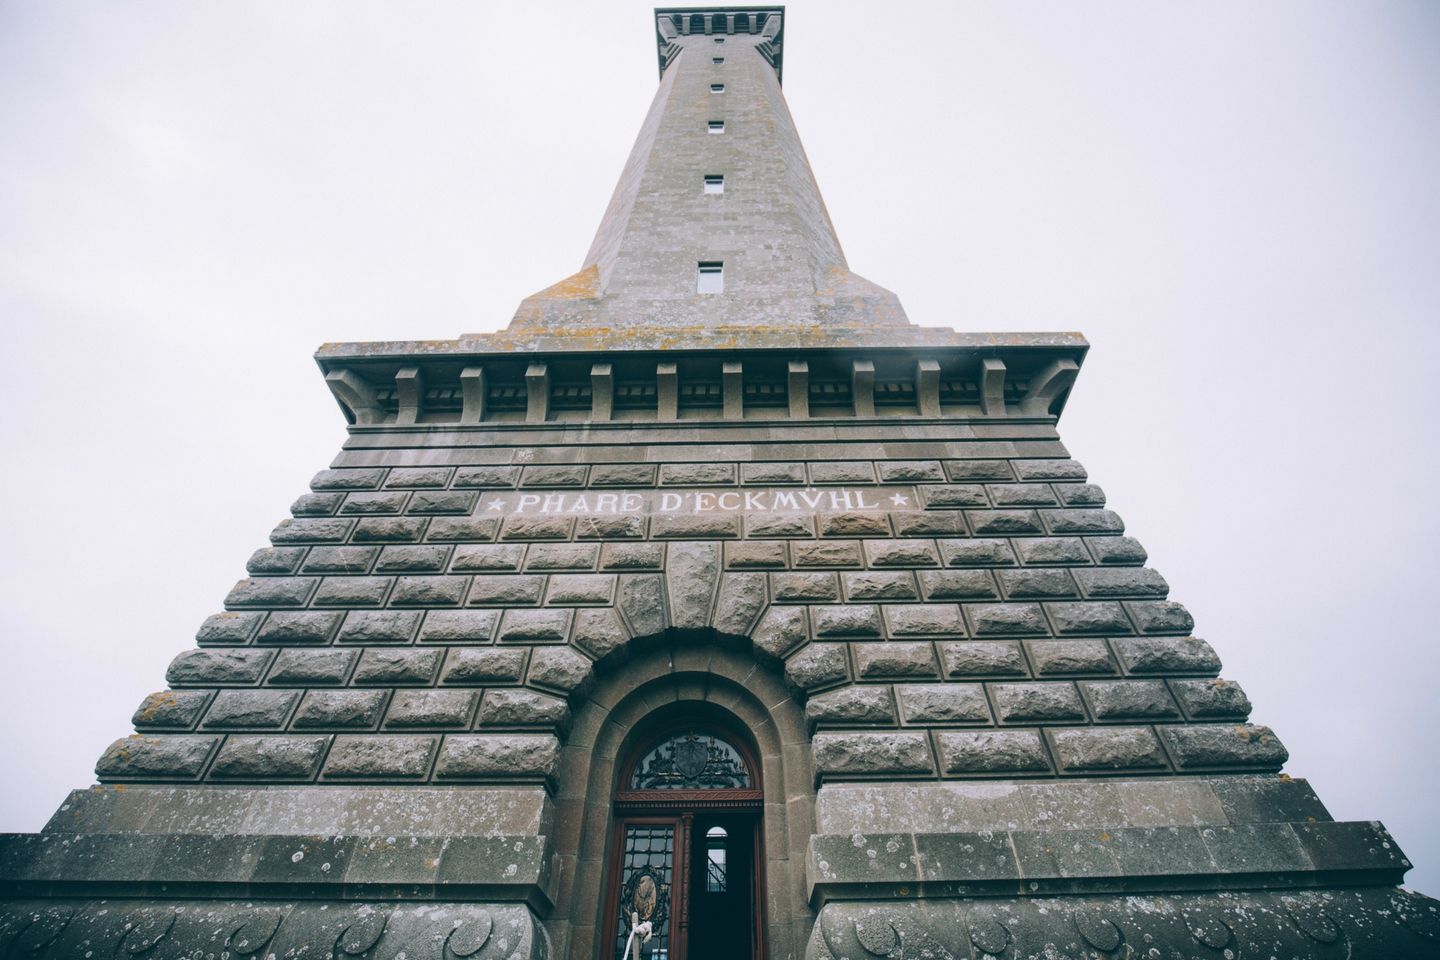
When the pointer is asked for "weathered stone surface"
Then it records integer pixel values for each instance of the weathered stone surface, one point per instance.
(1167, 655)
(987, 522)
(171, 710)
(1130, 700)
(389, 502)
(340, 559)
(253, 709)
(697, 474)
(431, 708)
(142, 757)
(759, 555)
(379, 626)
(780, 525)
(1005, 619)
(481, 665)
(817, 665)
(772, 473)
(1116, 550)
(894, 658)
(924, 620)
(943, 703)
(1021, 495)
(313, 667)
(340, 709)
(1083, 521)
(397, 667)
(641, 602)
(854, 525)
(434, 502)
(607, 527)
(1080, 494)
(1095, 616)
(554, 475)
(418, 478)
(265, 758)
(217, 667)
(311, 530)
(692, 576)
(1048, 702)
(507, 590)
(1033, 583)
(1160, 616)
(742, 598)
(562, 556)
(389, 530)
(901, 553)
(569, 589)
(1052, 551)
(983, 658)
(780, 631)
(873, 585)
(854, 704)
(636, 556)
(826, 553)
(928, 524)
(842, 472)
(805, 587)
(459, 626)
(1107, 748)
(976, 552)
(1212, 699)
(1225, 745)
(910, 471)
(1048, 470)
(347, 479)
(559, 668)
(871, 754)
(522, 708)
(538, 527)
(498, 757)
(535, 626)
(352, 591)
(228, 627)
(487, 476)
(992, 751)
(316, 504)
(413, 559)
(487, 557)
(1122, 582)
(274, 560)
(271, 592)
(848, 620)
(1058, 658)
(954, 495)
(962, 470)
(373, 757)
(599, 633)
(450, 529)
(695, 526)
(959, 585)
(622, 475)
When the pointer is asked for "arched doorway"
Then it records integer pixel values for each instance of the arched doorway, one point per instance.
(686, 846)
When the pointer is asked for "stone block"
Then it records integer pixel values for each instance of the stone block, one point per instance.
(268, 758)
(487, 557)
(871, 754)
(1107, 748)
(418, 478)
(347, 479)
(483, 666)
(380, 667)
(853, 704)
(697, 475)
(431, 708)
(506, 590)
(560, 668)
(1061, 658)
(825, 553)
(462, 529)
(534, 626)
(692, 577)
(622, 475)
(458, 626)
(848, 620)
(781, 630)
(1160, 616)
(979, 552)
(604, 527)
(340, 559)
(1005, 619)
(842, 472)
(854, 524)
(352, 591)
(433, 502)
(968, 858)
(910, 471)
(372, 757)
(1167, 655)
(518, 707)
(1032, 583)
(316, 504)
(311, 530)
(704, 526)
(805, 587)
(817, 665)
(144, 757)
(1022, 495)
(779, 525)
(312, 667)
(1052, 551)
(1083, 521)
(924, 620)
(879, 860)
(1255, 848)
(206, 667)
(340, 710)
(1048, 470)
(958, 585)
(554, 475)
(372, 504)
(953, 496)
(983, 658)
(772, 473)
(378, 626)
(251, 709)
(487, 476)
(562, 556)
(641, 602)
(1122, 582)
(271, 592)
(599, 633)
(413, 559)
(991, 752)
(1094, 616)
(537, 528)
(1047, 702)
(742, 597)
(963, 470)
(416, 591)
(389, 529)
(879, 585)
(1117, 551)
(1080, 494)
(573, 589)
(498, 757)
(1267, 800)
(1225, 745)
(274, 560)
(1130, 700)
(228, 627)
(1004, 522)
(171, 710)
(943, 703)
(1213, 699)
(901, 553)
(928, 524)
(634, 556)
(894, 658)
(753, 555)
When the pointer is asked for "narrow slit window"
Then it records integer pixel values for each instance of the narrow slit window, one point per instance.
(717, 88)
(717, 60)
(714, 183)
(715, 860)
(716, 126)
(719, 39)
(711, 277)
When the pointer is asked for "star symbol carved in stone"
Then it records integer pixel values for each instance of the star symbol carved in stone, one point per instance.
(900, 500)
(495, 505)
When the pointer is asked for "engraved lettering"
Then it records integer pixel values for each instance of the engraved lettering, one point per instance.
(526, 500)
(783, 498)
(704, 502)
(631, 502)
(840, 500)
(734, 504)
(606, 502)
(811, 498)
(752, 501)
(553, 502)
(581, 505)
(669, 502)
(860, 501)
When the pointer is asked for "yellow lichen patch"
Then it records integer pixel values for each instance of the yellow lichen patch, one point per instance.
(155, 704)
(584, 285)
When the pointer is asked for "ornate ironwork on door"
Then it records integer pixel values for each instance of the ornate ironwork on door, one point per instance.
(691, 761)
(646, 871)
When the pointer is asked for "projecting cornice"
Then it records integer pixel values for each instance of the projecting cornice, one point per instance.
(767, 23)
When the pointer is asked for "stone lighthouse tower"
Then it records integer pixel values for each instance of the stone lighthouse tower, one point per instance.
(709, 611)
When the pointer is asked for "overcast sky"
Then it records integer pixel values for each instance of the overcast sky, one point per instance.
(1236, 202)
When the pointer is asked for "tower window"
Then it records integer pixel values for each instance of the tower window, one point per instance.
(715, 860)
(717, 60)
(711, 277)
(719, 39)
(716, 126)
(714, 183)
(717, 88)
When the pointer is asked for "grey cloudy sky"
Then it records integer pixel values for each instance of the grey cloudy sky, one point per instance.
(1236, 202)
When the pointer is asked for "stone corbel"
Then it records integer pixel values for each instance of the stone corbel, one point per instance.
(732, 377)
(410, 395)
(992, 387)
(927, 387)
(355, 395)
(1047, 385)
(797, 389)
(667, 391)
(602, 391)
(862, 387)
(472, 394)
(537, 393)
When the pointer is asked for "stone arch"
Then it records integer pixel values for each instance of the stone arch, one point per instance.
(730, 685)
